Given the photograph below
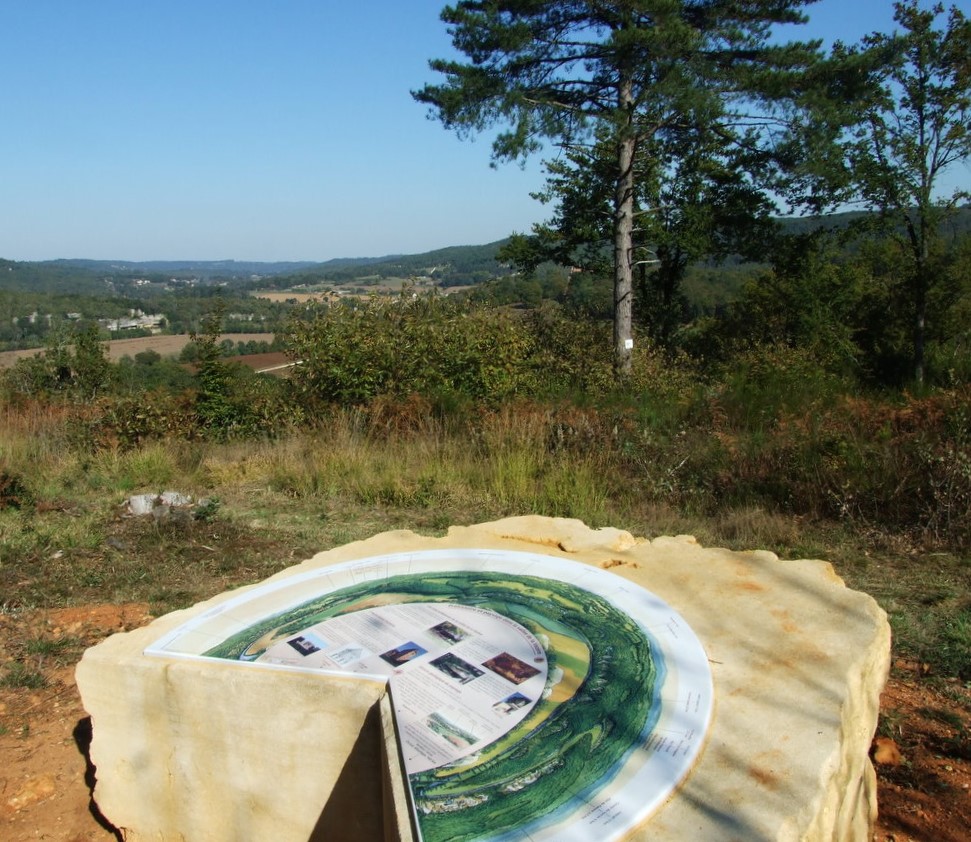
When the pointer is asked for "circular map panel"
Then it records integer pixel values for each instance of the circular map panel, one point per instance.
(535, 697)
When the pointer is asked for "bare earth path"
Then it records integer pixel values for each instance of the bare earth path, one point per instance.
(45, 779)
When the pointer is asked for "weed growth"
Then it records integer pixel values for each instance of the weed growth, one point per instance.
(19, 676)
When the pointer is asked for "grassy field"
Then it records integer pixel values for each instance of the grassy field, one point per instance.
(65, 538)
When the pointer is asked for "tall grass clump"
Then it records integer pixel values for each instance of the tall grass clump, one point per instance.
(37, 432)
(39, 445)
(354, 455)
(510, 446)
(153, 467)
(903, 464)
(767, 383)
(899, 463)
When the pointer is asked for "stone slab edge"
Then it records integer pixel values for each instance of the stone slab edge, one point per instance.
(798, 662)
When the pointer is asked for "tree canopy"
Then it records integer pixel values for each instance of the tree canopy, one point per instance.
(914, 123)
(624, 74)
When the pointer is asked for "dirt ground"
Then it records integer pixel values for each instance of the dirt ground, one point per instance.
(922, 753)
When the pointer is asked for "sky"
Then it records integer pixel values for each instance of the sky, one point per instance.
(248, 130)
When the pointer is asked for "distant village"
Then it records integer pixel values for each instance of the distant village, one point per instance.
(135, 320)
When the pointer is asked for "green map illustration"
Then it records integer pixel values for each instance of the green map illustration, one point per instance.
(600, 703)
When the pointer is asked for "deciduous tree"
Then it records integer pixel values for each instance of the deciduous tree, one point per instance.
(914, 124)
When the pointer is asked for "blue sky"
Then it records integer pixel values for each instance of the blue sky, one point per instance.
(215, 129)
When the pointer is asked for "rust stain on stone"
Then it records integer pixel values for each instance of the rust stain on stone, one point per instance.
(785, 620)
(749, 585)
(762, 770)
(542, 542)
(763, 777)
(617, 562)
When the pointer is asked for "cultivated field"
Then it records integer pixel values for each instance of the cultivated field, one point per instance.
(299, 297)
(161, 344)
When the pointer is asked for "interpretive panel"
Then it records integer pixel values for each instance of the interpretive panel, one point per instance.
(536, 698)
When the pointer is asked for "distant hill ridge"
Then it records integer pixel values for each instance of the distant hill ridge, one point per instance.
(450, 266)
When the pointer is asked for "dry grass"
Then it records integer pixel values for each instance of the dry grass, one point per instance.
(65, 538)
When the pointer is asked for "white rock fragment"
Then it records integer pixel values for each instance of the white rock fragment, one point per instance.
(145, 504)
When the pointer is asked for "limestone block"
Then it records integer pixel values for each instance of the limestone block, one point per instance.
(197, 751)
(219, 751)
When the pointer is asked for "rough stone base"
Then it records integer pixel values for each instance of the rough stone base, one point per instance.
(208, 751)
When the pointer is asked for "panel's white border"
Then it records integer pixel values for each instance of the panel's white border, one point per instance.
(651, 771)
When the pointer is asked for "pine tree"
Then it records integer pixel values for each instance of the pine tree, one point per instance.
(624, 73)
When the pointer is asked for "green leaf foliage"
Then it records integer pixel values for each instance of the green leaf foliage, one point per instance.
(914, 124)
(351, 352)
(73, 365)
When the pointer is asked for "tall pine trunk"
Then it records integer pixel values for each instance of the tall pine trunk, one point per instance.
(624, 238)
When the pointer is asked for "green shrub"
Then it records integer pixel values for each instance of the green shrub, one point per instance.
(354, 351)
(153, 415)
(74, 365)
(572, 354)
(767, 382)
(14, 493)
